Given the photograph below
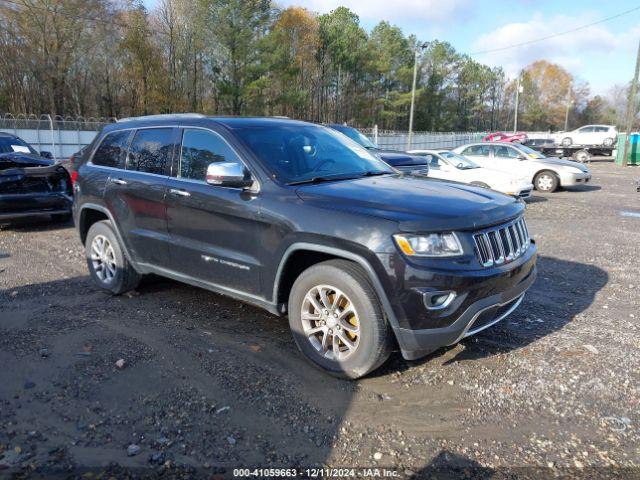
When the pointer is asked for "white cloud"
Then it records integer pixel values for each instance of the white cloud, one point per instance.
(395, 11)
(573, 51)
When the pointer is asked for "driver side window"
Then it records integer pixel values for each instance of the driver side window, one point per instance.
(199, 149)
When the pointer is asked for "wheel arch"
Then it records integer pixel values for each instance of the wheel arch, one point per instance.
(91, 213)
(300, 256)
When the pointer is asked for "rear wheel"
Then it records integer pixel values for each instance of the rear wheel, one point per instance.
(337, 321)
(567, 142)
(108, 266)
(546, 181)
(582, 156)
(608, 142)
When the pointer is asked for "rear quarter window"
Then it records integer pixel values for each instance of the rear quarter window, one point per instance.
(112, 151)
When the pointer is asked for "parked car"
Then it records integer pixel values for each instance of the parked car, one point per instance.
(448, 165)
(31, 183)
(300, 220)
(546, 173)
(400, 160)
(605, 135)
(519, 137)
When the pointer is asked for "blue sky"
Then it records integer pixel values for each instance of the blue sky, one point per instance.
(603, 55)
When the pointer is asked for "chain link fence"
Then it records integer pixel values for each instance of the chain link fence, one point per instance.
(398, 140)
(62, 136)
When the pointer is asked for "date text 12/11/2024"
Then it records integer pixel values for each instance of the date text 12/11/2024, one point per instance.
(373, 472)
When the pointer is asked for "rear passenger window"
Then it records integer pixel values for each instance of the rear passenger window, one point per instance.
(112, 151)
(199, 149)
(478, 150)
(151, 150)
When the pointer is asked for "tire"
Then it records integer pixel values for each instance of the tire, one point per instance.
(608, 142)
(582, 156)
(546, 181)
(373, 342)
(480, 184)
(567, 142)
(110, 270)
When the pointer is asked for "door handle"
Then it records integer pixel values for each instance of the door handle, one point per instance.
(118, 181)
(182, 193)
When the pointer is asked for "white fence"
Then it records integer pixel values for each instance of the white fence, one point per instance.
(395, 140)
(62, 136)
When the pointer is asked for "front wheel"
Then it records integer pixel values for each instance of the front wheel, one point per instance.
(546, 182)
(108, 266)
(567, 142)
(337, 321)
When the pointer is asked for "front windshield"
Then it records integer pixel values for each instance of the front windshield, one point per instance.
(356, 136)
(14, 144)
(295, 153)
(531, 152)
(458, 161)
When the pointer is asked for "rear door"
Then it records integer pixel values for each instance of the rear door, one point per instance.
(480, 154)
(214, 230)
(136, 196)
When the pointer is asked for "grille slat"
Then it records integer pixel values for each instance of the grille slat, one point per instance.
(502, 244)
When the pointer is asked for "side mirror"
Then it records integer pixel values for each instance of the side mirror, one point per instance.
(522, 157)
(228, 174)
(45, 154)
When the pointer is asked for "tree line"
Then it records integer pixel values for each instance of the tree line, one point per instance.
(110, 58)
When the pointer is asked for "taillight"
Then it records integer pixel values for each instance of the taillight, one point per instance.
(74, 177)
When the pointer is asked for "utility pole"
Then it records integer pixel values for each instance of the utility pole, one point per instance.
(413, 91)
(631, 109)
(566, 115)
(515, 115)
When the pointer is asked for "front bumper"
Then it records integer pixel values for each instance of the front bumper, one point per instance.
(478, 316)
(573, 179)
(14, 206)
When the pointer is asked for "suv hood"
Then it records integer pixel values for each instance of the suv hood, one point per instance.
(400, 159)
(418, 204)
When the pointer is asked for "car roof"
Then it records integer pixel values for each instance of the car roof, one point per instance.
(7, 134)
(202, 120)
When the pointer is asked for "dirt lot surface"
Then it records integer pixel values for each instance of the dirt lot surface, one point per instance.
(209, 384)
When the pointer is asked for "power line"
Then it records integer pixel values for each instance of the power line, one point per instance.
(554, 35)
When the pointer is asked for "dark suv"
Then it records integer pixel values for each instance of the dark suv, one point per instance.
(300, 220)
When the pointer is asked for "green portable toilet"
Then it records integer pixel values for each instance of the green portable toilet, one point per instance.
(633, 155)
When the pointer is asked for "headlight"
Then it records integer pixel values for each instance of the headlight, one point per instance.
(429, 245)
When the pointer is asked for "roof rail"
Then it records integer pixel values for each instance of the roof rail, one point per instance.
(163, 116)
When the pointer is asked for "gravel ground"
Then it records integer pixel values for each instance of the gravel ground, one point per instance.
(209, 384)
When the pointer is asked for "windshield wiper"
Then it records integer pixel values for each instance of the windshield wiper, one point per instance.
(321, 179)
(333, 178)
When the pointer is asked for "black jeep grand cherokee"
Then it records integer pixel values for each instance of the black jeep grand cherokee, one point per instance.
(298, 219)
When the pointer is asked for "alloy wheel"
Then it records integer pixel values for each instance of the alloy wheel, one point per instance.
(103, 258)
(330, 322)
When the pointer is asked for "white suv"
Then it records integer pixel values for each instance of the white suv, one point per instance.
(595, 135)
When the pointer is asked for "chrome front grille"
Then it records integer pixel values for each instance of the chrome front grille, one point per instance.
(502, 244)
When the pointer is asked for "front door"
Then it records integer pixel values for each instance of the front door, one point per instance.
(214, 230)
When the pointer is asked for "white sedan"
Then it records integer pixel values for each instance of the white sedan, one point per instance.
(595, 135)
(453, 166)
(547, 173)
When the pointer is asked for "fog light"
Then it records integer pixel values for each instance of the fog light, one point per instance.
(438, 300)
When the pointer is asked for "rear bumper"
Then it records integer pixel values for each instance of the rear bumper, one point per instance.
(34, 204)
(479, 315)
